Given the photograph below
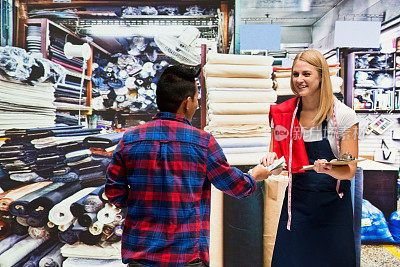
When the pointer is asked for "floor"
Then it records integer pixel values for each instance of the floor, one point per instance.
(380, 255)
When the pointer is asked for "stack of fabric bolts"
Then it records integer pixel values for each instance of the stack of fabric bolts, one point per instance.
(282, 80)
(53, 202)
(239, 94)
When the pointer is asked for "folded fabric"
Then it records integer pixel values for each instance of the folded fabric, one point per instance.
(238, 108)
(241, 96)
(216, 58)
(245, 158)
(219, 120)
(249, 130)
(254, 83)
(107, 251)
(237, 71)
(244, 142)
(65, 178)
(103, 140)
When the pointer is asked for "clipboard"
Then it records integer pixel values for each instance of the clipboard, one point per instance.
(334, 162)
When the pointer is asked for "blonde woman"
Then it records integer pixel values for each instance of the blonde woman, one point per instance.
(316, 223)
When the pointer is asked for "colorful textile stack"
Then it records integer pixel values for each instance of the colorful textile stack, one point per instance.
(239, 94)
(282, 80)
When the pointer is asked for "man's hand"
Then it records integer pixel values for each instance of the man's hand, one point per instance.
(260, 173)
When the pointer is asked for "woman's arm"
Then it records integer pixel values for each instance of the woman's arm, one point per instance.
(349, 144)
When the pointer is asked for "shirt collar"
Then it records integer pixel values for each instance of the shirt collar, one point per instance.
(171, 116)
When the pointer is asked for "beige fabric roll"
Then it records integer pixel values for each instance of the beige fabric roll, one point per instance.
(216, 58)
(245, 158)
(237, 71)
(238, 131)
(275, 187)
(238, 108)
(283, 83)
(241, 96)
(219, 120)
(238, 83)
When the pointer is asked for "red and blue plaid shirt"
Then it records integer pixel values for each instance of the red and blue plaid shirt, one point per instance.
(163, 171)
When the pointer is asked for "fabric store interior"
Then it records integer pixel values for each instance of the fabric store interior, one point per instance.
(75, 75)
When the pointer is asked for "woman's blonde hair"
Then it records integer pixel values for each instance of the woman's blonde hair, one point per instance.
(316, 59)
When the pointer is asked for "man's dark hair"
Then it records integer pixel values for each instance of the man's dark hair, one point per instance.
(175, 84)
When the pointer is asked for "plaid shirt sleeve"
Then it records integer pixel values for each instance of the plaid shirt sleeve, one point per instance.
(116, 187)
(224, 177)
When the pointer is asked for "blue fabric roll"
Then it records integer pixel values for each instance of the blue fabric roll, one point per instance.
(78, 208)
(103, 140)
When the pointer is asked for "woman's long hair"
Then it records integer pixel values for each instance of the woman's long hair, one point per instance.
(316, 59)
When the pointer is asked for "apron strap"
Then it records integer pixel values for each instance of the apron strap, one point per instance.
(337, 146)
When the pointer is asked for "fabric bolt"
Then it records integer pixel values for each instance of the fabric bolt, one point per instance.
(10, 241)
(5, 228)
(89, 168)
(102, 152)
(77, 155)
(237, 71)
(38, 232)
(148, 165)
(92, 179)
(93, 204)
(96, 228)
(78, 208)
(241, 96)
(53, 258)
(19, 229)
(238, 108)
(38, 254)
(106, 251)
(103, 140)
(22, 221)
(76, 163)
(20, 250)
(83, 262)
(217, 82)
(88, 238)
(75, 132)
(69, 236)
(65, 178)
(243, 142)
(220, 120)
(65, 227)
(87, 219)
(216, 58)
(250, 130)
(60, 214)
(108, 213)
(25, 177)
(12, 195)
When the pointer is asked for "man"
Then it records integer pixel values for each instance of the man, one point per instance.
(163, 171)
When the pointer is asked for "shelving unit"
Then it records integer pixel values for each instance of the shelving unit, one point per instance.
(368, 96)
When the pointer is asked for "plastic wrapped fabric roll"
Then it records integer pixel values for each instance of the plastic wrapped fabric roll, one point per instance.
(78, 208)
(217, 82)
(60, 214)
(10, 241)
(17, 193)
(21, 206)
(245, 158)
(216, 58)
(244, 142)
(220, 120)
(227, 131)
(237, 71)
(53, 258)
(243, 229)
(238, 108)
(242, 96)
(20, 250)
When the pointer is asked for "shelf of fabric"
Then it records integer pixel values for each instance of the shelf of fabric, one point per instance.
(77, 74)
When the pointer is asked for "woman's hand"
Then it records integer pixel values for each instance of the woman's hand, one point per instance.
(268, 159)
(321, 166)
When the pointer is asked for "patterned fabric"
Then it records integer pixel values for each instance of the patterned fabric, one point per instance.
(163, 171)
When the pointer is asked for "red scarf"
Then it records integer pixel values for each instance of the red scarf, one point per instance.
(281, 115)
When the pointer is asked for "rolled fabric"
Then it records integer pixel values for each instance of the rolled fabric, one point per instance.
(237, 71)
(217, 58)
(217, 82)
(19, 229)
(108, 213)
(60, 214)
(238, 130)
(69, 236)
(20, 250)
(21, 206)
(96, 228)
(37, 221)
(17, 193)
(10, 241)
(78, 208)
(5, 228)
(77, 155)
(22, 221)
(83, 262)
(242, 96)
(38, 254)
(219, 120)
(103, 140)
(87, 219)
(78, 162)
(64, 227)
(38, 232)
(93, 204)
(245, 158)
(53, 258)
(65, 178)
(88, 238)
(238, 108)
(283, 83)
(244, 142)
(102, 195)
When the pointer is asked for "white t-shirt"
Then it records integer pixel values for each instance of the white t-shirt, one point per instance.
(346, 118)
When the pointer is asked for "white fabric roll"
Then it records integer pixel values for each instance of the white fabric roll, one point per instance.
(238, 131)
(244, 142)
(20, 250)
(283, 83)
(237, 71)
(219, 120)
(60, 214)
(245, 158)
(107, 214)
(250, 96)
(238, 83)
(238, 108)
(233, 59)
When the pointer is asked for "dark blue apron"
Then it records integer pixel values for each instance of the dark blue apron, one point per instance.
(322, 222)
